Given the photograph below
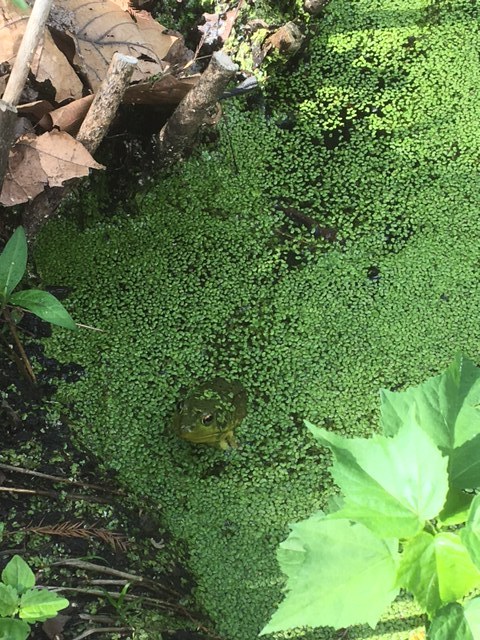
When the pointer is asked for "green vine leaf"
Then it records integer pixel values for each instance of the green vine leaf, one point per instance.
(455, 621)
(13, 262)
(456, 508)
(339, 574)
(447, 407)
(386, 482)
(437, 570)
(470, 534)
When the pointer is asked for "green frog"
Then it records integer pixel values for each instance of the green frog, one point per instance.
(210, 413)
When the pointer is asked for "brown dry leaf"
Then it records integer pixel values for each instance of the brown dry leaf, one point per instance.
(49, 63)
(67, 118)
(217, 26)
(166, 90)
(53, 628)
(51, 159)
(99, 28)
(36, 110)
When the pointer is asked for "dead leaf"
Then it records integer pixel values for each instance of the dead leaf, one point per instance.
(166, 90)
(52, 159)
(53, 628)
(99, 28)
(36, 110)
(218, 26)
(67, 118)
(49, 63)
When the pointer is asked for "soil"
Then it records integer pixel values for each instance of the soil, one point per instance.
(81, 515)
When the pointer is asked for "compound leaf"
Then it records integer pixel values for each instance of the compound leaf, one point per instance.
(37, 605)
(437, 570)
(447, 407)
(13, 262)
(391, 485)
(18, 574)
(339, 574)
(45, 306)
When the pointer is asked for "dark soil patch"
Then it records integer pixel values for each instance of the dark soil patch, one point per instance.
(77, 533)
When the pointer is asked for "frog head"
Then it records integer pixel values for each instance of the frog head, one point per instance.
(210, 413)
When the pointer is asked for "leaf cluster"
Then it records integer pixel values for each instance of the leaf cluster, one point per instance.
(21, 603)
(408, 517)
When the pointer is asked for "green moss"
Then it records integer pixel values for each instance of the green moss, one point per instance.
(213, 279)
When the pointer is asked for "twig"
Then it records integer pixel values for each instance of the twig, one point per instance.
(90, 632)
(54, 494)
(8, 467)
(19, 345)
(130, 577)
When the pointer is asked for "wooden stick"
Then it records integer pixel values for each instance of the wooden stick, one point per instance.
(20, 70)
(9, 467)
(93, 129)
(193, 111)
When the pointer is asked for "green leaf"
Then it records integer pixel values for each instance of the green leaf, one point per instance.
(470, 534)
(437, 569)
(472, 614)
(14, 629)
(37, 605)
(456, 508)
(339, 574)
(13, 262)
(454, 622)
(45, 306)
(447, 407)
(391, 485)
(449, 624)
(8, 600)
(464, 465)
(18, 574)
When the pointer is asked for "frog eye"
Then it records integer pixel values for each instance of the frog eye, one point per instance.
(207, 419)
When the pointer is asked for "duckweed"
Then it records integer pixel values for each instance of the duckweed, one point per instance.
(375, 137)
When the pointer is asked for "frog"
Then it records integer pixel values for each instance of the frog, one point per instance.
(211, 412)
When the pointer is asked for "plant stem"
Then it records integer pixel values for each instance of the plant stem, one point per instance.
(21, 350)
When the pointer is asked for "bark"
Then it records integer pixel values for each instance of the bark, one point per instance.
(179, 133)
(16, 82)
(93, 129)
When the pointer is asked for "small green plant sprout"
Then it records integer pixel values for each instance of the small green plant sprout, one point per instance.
(13, 263)
(409, 517)
(21, 603)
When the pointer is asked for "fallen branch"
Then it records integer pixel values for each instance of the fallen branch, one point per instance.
(90, 632)
(129, 577)
(20, 70)
(8, 467)
(55, 494)
(180, 131)
(93, 129)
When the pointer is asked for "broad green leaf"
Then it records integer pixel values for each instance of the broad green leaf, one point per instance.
(450, 624)
(8, 600)
(37, 605)
(18, 574)
(391, 485)
(13, 262)
(437, 569)
(464, 465)
(472, 615)
(456, 508)
(14, 629)
(470, 534)
(339, 574)
(447, 407)
(45, 306)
